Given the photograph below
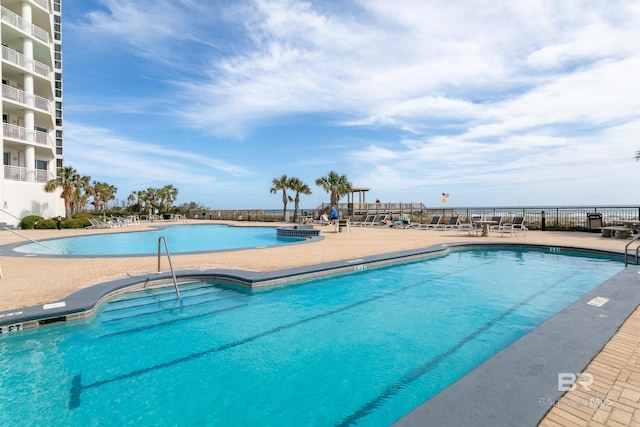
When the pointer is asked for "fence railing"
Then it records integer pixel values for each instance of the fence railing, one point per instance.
(576, 218)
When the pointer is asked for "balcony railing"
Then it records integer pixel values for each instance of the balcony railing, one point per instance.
(19, 173)
(17, 22)
(20, 96)
(20, 133)
(22, 61)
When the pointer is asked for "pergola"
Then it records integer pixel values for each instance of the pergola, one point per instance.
(351, 203)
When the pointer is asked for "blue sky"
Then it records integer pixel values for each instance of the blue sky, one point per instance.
(498, 103)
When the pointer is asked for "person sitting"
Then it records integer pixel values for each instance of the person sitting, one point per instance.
(324, 219)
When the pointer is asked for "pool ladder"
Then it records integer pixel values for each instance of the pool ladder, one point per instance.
(626, 250)
(173, 273)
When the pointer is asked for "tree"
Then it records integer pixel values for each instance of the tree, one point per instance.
(136, 196)
(282, 184)
(299, 187)
(167, 195)
(81, 193)
(68, 179)
(152, 200)
(638, 155)
(102, 193)
(334, 184)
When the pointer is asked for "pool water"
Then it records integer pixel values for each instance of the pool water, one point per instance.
(355, 349)
(180, 238)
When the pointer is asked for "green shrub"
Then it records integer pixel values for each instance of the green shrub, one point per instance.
(29, 222)
(47, 224)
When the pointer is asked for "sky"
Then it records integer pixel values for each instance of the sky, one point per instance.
(497, 103)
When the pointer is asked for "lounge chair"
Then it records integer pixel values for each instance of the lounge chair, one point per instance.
(435, 220)
(471, 226)
(324, 220)
(365, 220)
(384, 221)
(498, 220)
(454, 222)
(517, 224)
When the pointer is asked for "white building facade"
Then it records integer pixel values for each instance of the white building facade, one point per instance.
(32, 136)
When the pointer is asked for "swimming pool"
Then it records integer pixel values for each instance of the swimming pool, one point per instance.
(181, 239)
(363, 348)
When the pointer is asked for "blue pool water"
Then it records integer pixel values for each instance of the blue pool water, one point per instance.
(358, 349)
(181, 238)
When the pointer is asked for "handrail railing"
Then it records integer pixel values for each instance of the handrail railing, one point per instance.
(173, 273)
(25, 237)
(626, 249)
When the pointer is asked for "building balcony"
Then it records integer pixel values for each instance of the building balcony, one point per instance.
(32, 101)
(19, 173)
(31, 65)
(26, 27)
(44, 4)
(22, 134)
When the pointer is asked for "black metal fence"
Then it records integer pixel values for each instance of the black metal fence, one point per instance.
(576, 218)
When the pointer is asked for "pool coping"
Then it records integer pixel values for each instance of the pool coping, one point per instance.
(507, 389)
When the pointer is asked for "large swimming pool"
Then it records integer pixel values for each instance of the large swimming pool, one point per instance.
(181, 239)
(363, 348)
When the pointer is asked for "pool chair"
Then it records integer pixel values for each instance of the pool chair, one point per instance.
(498, 220)
(470, 227)
(403, 222)
(383, 221)
(323, 220)
(366, 220)
(454, 222)
(435, 220)
(97, 223)
(516, 225)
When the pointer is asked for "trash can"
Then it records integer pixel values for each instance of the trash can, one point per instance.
(594, 221)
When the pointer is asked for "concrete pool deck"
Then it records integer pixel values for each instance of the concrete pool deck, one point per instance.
(614, 399)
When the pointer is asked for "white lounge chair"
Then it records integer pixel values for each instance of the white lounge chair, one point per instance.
(364, 221)
(516, 225)
(454, 222)
(471, 226)
(435, 220)
(497, 225)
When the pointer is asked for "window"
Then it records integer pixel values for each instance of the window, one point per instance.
(42, 165)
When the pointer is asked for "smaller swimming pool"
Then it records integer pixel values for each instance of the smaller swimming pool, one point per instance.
(181, 239)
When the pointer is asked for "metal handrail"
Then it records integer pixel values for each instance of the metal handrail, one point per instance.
(25, 237)
(626, 249)
(173, 273)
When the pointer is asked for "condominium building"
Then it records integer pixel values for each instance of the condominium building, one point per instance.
(31, 108)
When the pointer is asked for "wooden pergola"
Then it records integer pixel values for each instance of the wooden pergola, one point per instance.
(351, 202)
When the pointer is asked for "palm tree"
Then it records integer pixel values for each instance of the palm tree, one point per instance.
(102, 193)
(638, 155)
(282, 184)
(168, 195)
(67, 179)
(82, 192)
(335, 184)
(136, 196)
(152, 199)
(299, 187)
